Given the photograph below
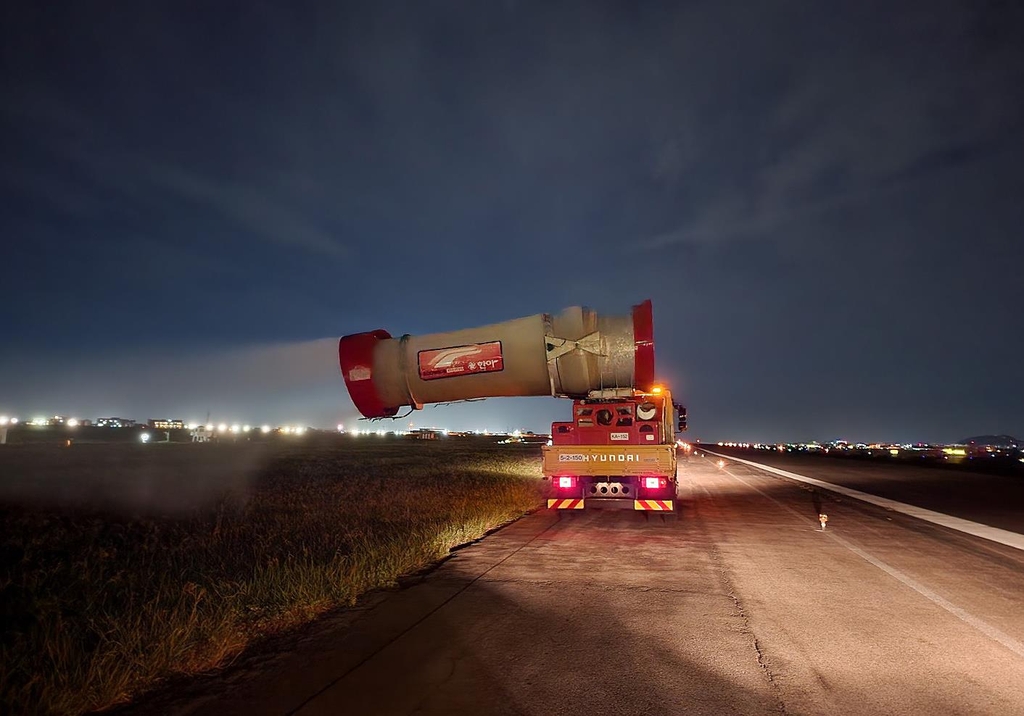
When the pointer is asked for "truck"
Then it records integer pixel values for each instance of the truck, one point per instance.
(619, 450)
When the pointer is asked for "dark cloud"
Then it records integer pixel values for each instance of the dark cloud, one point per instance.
(822, 199)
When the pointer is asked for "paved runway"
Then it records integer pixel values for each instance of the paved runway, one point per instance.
(743, 606)
(992, 499)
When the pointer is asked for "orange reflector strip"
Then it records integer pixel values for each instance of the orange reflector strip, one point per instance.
(565, 504)
(655, 505)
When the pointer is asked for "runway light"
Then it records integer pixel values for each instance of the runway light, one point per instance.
(144, 437)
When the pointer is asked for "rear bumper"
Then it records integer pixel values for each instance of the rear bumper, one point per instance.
(606, 503)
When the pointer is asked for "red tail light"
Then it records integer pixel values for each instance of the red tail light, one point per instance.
(565, 481)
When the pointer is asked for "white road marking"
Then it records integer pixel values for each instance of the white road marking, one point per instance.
(995, 534)
(959, 612)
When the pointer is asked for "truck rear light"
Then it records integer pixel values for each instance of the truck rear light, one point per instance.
(651, 483)
(566, 481)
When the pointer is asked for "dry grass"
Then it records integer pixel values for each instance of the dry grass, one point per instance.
(99, 605)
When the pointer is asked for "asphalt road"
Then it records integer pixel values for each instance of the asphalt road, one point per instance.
(742, 606)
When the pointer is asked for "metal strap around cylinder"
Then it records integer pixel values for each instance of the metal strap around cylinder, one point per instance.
(403, 361)
(549, 351)
(555, 347)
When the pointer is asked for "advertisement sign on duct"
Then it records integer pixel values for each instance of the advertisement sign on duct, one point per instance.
(460, 360)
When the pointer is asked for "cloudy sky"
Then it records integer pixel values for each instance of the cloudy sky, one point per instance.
(823, 200)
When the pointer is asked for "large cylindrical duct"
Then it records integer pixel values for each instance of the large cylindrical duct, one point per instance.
(571, 354)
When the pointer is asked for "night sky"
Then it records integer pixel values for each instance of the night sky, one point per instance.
(824, 200)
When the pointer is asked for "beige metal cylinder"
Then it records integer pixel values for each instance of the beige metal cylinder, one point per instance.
(570, 354)
(524, 371)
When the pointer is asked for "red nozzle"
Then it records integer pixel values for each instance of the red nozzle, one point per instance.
(355, 354)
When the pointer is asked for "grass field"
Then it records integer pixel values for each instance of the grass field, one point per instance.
(121, 565)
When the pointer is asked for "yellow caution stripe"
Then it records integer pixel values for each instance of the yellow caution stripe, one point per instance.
(565, 504)
(656, 505)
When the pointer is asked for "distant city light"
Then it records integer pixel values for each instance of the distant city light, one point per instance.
(14, 421)
(222, 428)
(246, 428)
(341, 428)
(299, 430)
(192, 426)
(235, 428)
(73, 423)
(144, 437)
(4, 420)
(209, 427)
(265, 429)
